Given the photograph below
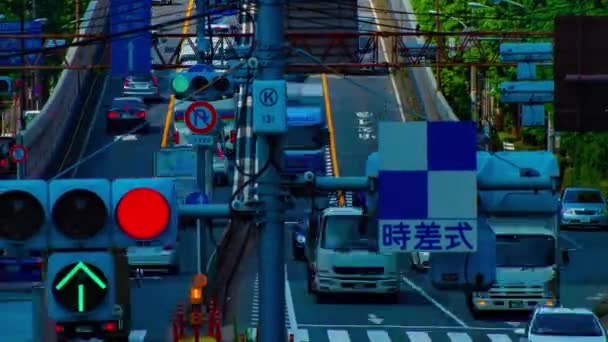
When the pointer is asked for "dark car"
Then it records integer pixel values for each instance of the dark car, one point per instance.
(299, 232)
(7, 166)
(125, 114)
(27, 269)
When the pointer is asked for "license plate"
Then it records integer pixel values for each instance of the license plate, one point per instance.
(585, 219)
(516, 305)
(359, 286)
(84, 329)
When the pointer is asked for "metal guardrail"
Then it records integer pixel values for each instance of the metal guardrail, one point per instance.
(47, 136)
(506, 146)
(403, 12)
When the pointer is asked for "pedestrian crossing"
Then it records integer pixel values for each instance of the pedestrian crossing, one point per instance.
(396, 335)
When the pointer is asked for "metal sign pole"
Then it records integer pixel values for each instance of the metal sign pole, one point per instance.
(201, 176)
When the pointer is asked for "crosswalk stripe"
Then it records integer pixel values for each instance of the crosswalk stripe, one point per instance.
(418, 336)
(499, 338)
(459, 337)
(338, 336)
(378, 336)
(302, 336)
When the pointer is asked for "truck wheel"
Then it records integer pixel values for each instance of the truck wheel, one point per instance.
(476, 314)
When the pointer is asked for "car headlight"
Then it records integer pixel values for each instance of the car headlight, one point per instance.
(301, 239)
(568, 211)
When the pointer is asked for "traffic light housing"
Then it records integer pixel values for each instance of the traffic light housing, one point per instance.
(80, 213)
(187, 85)
(144, 209)
(80, 286)
(6, 86)
(23, 213)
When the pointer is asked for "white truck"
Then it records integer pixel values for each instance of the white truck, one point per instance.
(525, 222)
(343, 254)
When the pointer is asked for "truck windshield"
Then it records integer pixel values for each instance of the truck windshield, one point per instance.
(345, 232)
(525, 251)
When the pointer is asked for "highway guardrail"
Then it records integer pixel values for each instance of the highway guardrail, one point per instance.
(47, 136)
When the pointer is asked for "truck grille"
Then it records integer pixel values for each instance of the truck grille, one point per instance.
(359, 270)
(499, 292)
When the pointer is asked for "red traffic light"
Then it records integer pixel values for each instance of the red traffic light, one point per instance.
(143, 213)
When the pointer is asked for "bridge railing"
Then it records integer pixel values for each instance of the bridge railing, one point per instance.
(47, 136)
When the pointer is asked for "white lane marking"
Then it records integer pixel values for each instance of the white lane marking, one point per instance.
(391, 76)
(513, 324)
(571, 240)
(418, 336)
(499, 338)
(459, 337)
(92, 125)
(147, 278)
(302, 335)
(137, 335)
(434, 302)
(291, 312)
(389, 326)
(126, 137)
(378, 336)
(338, 336)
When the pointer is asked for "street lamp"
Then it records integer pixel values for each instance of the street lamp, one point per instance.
(433, 12)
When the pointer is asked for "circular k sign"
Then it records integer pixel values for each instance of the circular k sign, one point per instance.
(269, 97)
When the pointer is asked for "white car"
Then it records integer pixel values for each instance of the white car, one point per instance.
(549, 324)
(153, 256)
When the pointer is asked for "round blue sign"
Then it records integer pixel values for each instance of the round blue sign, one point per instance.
(197, 198)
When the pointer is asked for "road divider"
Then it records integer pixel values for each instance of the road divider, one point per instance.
(50, 132)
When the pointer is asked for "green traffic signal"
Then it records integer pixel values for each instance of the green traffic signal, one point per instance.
(180, 83)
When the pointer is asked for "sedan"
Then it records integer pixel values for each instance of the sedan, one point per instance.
(144, 86)
(154, 257)
(583, 207)
(562, 324)
(127, 113)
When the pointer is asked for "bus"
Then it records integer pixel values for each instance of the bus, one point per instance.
(307, 137)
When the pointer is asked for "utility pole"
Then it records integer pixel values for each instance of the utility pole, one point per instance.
(439, 42)
(269, 52)
(24, 63)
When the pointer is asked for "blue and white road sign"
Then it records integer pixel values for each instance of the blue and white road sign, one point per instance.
(197, 198)
(427, 187)
(9, 46)
(131, 53)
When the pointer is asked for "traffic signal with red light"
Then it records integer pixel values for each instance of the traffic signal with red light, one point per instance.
(80, 213)
(144, 209)
(23, 213)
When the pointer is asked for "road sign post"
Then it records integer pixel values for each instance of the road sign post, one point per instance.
(131, 39)
(198, 198)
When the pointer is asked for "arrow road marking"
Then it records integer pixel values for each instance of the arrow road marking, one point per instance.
(130, 47)
(85, 269)
(375, 319)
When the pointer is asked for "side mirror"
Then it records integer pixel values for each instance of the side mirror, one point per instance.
(565, 257)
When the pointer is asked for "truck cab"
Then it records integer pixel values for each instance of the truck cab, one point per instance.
(524, 220)
(343, 256)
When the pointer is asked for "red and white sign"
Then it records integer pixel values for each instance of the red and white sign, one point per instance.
(201, 117)
(18, 153)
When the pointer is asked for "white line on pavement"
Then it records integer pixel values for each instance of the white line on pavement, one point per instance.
(137, 335)
(388, 326)
(434, 302)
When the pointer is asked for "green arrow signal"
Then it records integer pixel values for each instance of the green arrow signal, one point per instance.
(81, 267)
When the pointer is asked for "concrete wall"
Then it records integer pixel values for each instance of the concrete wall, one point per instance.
(48, 135)
(423, 77)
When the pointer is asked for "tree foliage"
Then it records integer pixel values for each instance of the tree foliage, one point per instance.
(584, 157)
(59, 13)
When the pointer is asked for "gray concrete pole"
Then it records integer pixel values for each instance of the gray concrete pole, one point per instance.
(269, 52)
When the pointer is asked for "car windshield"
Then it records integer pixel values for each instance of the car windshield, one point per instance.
(525, 251)
(583, 196)
(144, 78)
(566, 325)
(346, 232)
